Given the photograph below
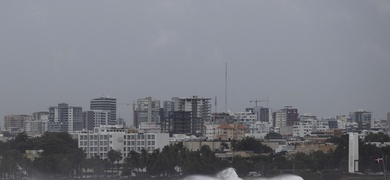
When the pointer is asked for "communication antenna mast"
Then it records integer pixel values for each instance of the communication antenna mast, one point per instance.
(226, 88)
(215, 104)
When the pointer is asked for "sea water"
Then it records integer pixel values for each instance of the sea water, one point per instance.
(230, 174)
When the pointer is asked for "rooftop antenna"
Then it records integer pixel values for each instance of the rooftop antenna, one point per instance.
(226, 88)
(215, 105)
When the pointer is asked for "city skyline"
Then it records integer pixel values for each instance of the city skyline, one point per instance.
(327, 58)
(251, 109)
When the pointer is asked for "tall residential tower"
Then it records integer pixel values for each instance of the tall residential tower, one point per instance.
(105, 104)
(64, 118)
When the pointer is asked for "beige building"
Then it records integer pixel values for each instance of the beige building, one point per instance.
(309, 148)
(230, 132)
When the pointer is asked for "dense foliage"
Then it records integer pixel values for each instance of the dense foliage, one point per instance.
(251, 144)
(61, 157)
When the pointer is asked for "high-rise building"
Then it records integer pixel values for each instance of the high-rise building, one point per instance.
(199, 108)
(38, 115)
(362, 118)
(38, 125)
(146, 110)
(105, 104)
(170, 106)
(285, 117)
(178, 122)
(64, 118)
(263, 114)
(15, 123)
(95, 118)
(279, 119)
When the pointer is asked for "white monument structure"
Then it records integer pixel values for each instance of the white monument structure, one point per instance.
(353, 153)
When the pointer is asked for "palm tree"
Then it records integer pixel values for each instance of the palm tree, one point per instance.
(143, 160)
(131, 163)
(114, 156)
(154, 165)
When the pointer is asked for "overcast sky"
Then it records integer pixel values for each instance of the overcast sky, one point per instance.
(324, 57)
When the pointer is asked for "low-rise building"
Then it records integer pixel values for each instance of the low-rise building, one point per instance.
(105, 138)
(230, 132)
(259, 130)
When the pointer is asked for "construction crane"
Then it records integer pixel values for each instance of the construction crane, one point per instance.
(258, 101)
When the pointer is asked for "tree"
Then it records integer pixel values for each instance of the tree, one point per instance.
(242, 165)
(303, 161)
(192, 164)
(377, 137)
(77, 156)
(155, 163)
(273, 135)
(251, 144)
(113, 156)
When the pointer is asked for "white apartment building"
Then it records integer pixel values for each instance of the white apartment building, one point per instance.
(259, 129)
(308, 125)
(146, 110)
(148, 141)
(303, 128)
(246, 118)
(149, 127)
(321, 125)
(210, 131)
(37, 126)
(100, 117)
(102, 139)
(107, 104)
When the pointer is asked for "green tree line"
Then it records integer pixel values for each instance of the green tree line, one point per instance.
(61, 157)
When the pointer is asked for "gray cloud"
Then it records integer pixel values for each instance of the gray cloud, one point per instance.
(326, 57)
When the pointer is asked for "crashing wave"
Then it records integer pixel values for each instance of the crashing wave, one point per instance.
(230, 174)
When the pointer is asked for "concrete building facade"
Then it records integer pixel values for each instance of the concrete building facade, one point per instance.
(96, 118)
(187, 115)
(15, 123)
(146, 110)
(285, 117)
(37, 126)
(105, 104)
(229, 132)
(362, 118)
(105, 138)
(64, 118)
